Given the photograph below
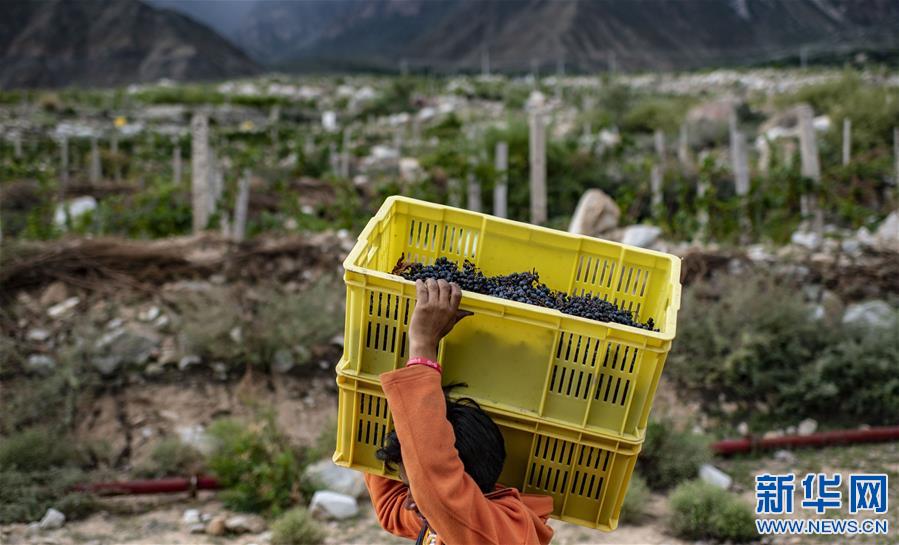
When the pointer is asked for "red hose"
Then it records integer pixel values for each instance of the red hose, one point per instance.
(151, 486)
(748, 444)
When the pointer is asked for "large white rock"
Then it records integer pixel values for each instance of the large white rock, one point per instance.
(596, 213)
(714, 476)
(875, 313)
(76, 207)
(328, 504)
(887, 235)
(642, 236)
(52, 520)
(333, 477)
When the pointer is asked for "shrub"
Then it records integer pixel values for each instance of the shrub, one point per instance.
(256, 464)
(25, 496)
(633, 509)
(297, 527)
(670, 456)
(171, 457)
(702, 511)
(34, 450)
(742, 340)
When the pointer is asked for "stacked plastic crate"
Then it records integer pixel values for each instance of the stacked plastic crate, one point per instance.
(572, 396)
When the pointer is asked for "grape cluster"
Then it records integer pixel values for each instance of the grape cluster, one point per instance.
(524, 287)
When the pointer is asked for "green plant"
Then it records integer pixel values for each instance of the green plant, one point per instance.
(171, 457)
(633, 510)
(297, 527)
(34, 449)
(256, 464)
(702, 511)
(25, 496)
(670, 456)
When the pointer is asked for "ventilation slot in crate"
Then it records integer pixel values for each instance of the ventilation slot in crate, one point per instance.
(372, 423)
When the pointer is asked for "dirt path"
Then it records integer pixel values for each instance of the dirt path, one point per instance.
(157, 521)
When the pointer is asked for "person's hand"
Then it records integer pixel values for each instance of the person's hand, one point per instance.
(436, 312)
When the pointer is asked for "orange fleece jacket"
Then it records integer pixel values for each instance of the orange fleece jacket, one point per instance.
(446, 496)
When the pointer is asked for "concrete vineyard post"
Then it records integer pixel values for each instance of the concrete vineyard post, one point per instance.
(896, 156)
(764, 162)
(199, 171)
(274, 117)
(345, 155)
(741, 181)
(117, 167)
(17, 144)
(538, 168)
(788, 153)
(702, 213)
(683, 147)
(333, 159)
(474, 192)
(95, 168)
(658, 170)
(454, 192)
(63, 166)
(176, 164)
(847, 141)
(240, 206)
(811, 168)
(501, 188)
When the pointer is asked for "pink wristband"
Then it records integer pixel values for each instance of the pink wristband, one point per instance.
(426, 362)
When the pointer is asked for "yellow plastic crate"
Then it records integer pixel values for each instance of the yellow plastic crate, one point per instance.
(586, 475)
(522, 359)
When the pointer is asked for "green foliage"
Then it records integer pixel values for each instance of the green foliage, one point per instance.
(34, 450)
(670, 456)
(703, 511)
(160, 211)
(297, 527)
(633, 510)
(650, 114)
(256, 464)
(26, 496)
(171, 457)
(750, 350)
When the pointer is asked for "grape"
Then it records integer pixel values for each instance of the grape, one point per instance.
(524, 287)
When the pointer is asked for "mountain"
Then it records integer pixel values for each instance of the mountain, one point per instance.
(100, 42)
(448, 35)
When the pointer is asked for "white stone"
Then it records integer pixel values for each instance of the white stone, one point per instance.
(150, 314)
(38, 335)
(642, 236)
(807, 427)
(806, 239)
(197, 528)
(331, 505)
(52, 520)
(337, 339)
(40, 363)
(333, 477)
(887, 234)
(57, 311)
(77, 207)
(785, 456)
(743, 428)
(329, 121)
(875, 313)
(188, 361)
(191, 516)
(595, 214)
(714, 476)
(283, 361)
(245, 524)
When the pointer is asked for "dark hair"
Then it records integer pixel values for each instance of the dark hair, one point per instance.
(478, 441)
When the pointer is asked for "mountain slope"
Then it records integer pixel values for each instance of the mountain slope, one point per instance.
(97, 43)
(587, 34)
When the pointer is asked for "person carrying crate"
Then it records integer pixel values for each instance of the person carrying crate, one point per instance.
(449, 453)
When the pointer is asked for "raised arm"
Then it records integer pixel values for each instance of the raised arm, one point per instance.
(445, 494)
(388, 497)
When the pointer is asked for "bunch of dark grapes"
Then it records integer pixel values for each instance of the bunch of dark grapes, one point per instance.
(524, 287)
